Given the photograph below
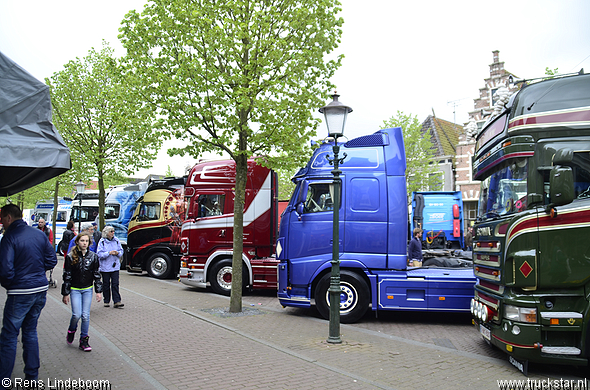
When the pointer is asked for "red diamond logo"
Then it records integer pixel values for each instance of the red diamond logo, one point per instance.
(526, 269)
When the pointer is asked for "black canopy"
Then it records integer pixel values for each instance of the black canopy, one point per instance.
(31, 149)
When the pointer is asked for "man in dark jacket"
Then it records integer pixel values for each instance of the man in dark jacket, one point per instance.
(41, 225)
(415, 249)
(25, 256)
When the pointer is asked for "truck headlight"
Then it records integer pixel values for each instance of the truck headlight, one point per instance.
(521, 314)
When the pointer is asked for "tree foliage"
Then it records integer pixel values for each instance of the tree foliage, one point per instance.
(103, 119)
(551, 72)
(237, 76)
(421, 171)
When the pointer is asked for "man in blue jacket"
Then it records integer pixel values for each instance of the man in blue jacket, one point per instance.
(25, 256)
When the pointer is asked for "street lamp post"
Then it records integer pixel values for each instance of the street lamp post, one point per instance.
(80, 188)
(335, 114)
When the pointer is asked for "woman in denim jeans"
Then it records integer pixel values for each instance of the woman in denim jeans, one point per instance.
(80, 272)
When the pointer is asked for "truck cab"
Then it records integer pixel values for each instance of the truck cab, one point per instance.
(373, 236)
(119, 207)
(207, 232)
(153, 239)
(44, 209)
(530, 246)
(439, 214)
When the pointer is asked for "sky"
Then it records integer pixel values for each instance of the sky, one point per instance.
(417, 57)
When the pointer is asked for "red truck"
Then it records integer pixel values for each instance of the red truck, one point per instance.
(206, 240)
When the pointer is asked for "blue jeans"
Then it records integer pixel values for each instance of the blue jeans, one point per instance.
(110, 282)
(81, 301)
(21, 311)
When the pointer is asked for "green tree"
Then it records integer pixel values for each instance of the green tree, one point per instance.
(237, 76)
(551, 72)
(421, 169)
(286, 186)
(169, 172)
(103, 119)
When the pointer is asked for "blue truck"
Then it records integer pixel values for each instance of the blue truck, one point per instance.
(373, 223)
(119, 207)
(440, 216)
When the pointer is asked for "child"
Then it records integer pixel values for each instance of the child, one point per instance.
(80, 272)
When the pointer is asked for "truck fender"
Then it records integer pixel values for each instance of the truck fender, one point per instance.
(327, 267)
(214, 256)
(150, 251)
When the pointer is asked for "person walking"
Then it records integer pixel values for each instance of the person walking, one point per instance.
(45, 229)
(88, 229)
(25, 256)
(109, 252)
(80, 272)
(67, 236)
(96, 234)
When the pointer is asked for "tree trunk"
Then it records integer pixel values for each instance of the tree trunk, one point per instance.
(20, 200)
(235, 302)
(101, 198)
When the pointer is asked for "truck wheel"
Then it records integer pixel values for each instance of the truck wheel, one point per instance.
(159, 266)
(123, 261)
(354, 297)
(220, 277)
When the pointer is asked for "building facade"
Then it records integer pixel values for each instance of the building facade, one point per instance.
(496, 84)
(455, 144)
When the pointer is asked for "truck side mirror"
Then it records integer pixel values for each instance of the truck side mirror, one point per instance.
(561, 185)
(302, 192)
(299, 208)
(301, 197)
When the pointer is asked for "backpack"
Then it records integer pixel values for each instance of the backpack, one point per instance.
(65, 240)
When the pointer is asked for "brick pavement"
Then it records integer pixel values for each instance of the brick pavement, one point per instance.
(170, 336)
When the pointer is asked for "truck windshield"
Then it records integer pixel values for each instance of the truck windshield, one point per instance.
(504, 191)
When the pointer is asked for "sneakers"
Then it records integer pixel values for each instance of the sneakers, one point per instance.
(70, 336)
(118, 305)
(106, 304)
(84, 344)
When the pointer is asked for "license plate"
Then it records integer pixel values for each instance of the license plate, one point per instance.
(485, 332)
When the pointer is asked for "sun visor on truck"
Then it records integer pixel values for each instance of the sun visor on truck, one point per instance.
(31, 149)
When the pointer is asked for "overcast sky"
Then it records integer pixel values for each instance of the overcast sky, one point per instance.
(412, 56)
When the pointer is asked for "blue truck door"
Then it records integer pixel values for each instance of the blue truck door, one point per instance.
(310, 233)
(366, 220)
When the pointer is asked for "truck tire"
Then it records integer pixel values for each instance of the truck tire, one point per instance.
(354, 298)
(220, 276)
(159, 266)
(123, 261)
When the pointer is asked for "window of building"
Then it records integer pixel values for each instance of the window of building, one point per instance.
(493, 95)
